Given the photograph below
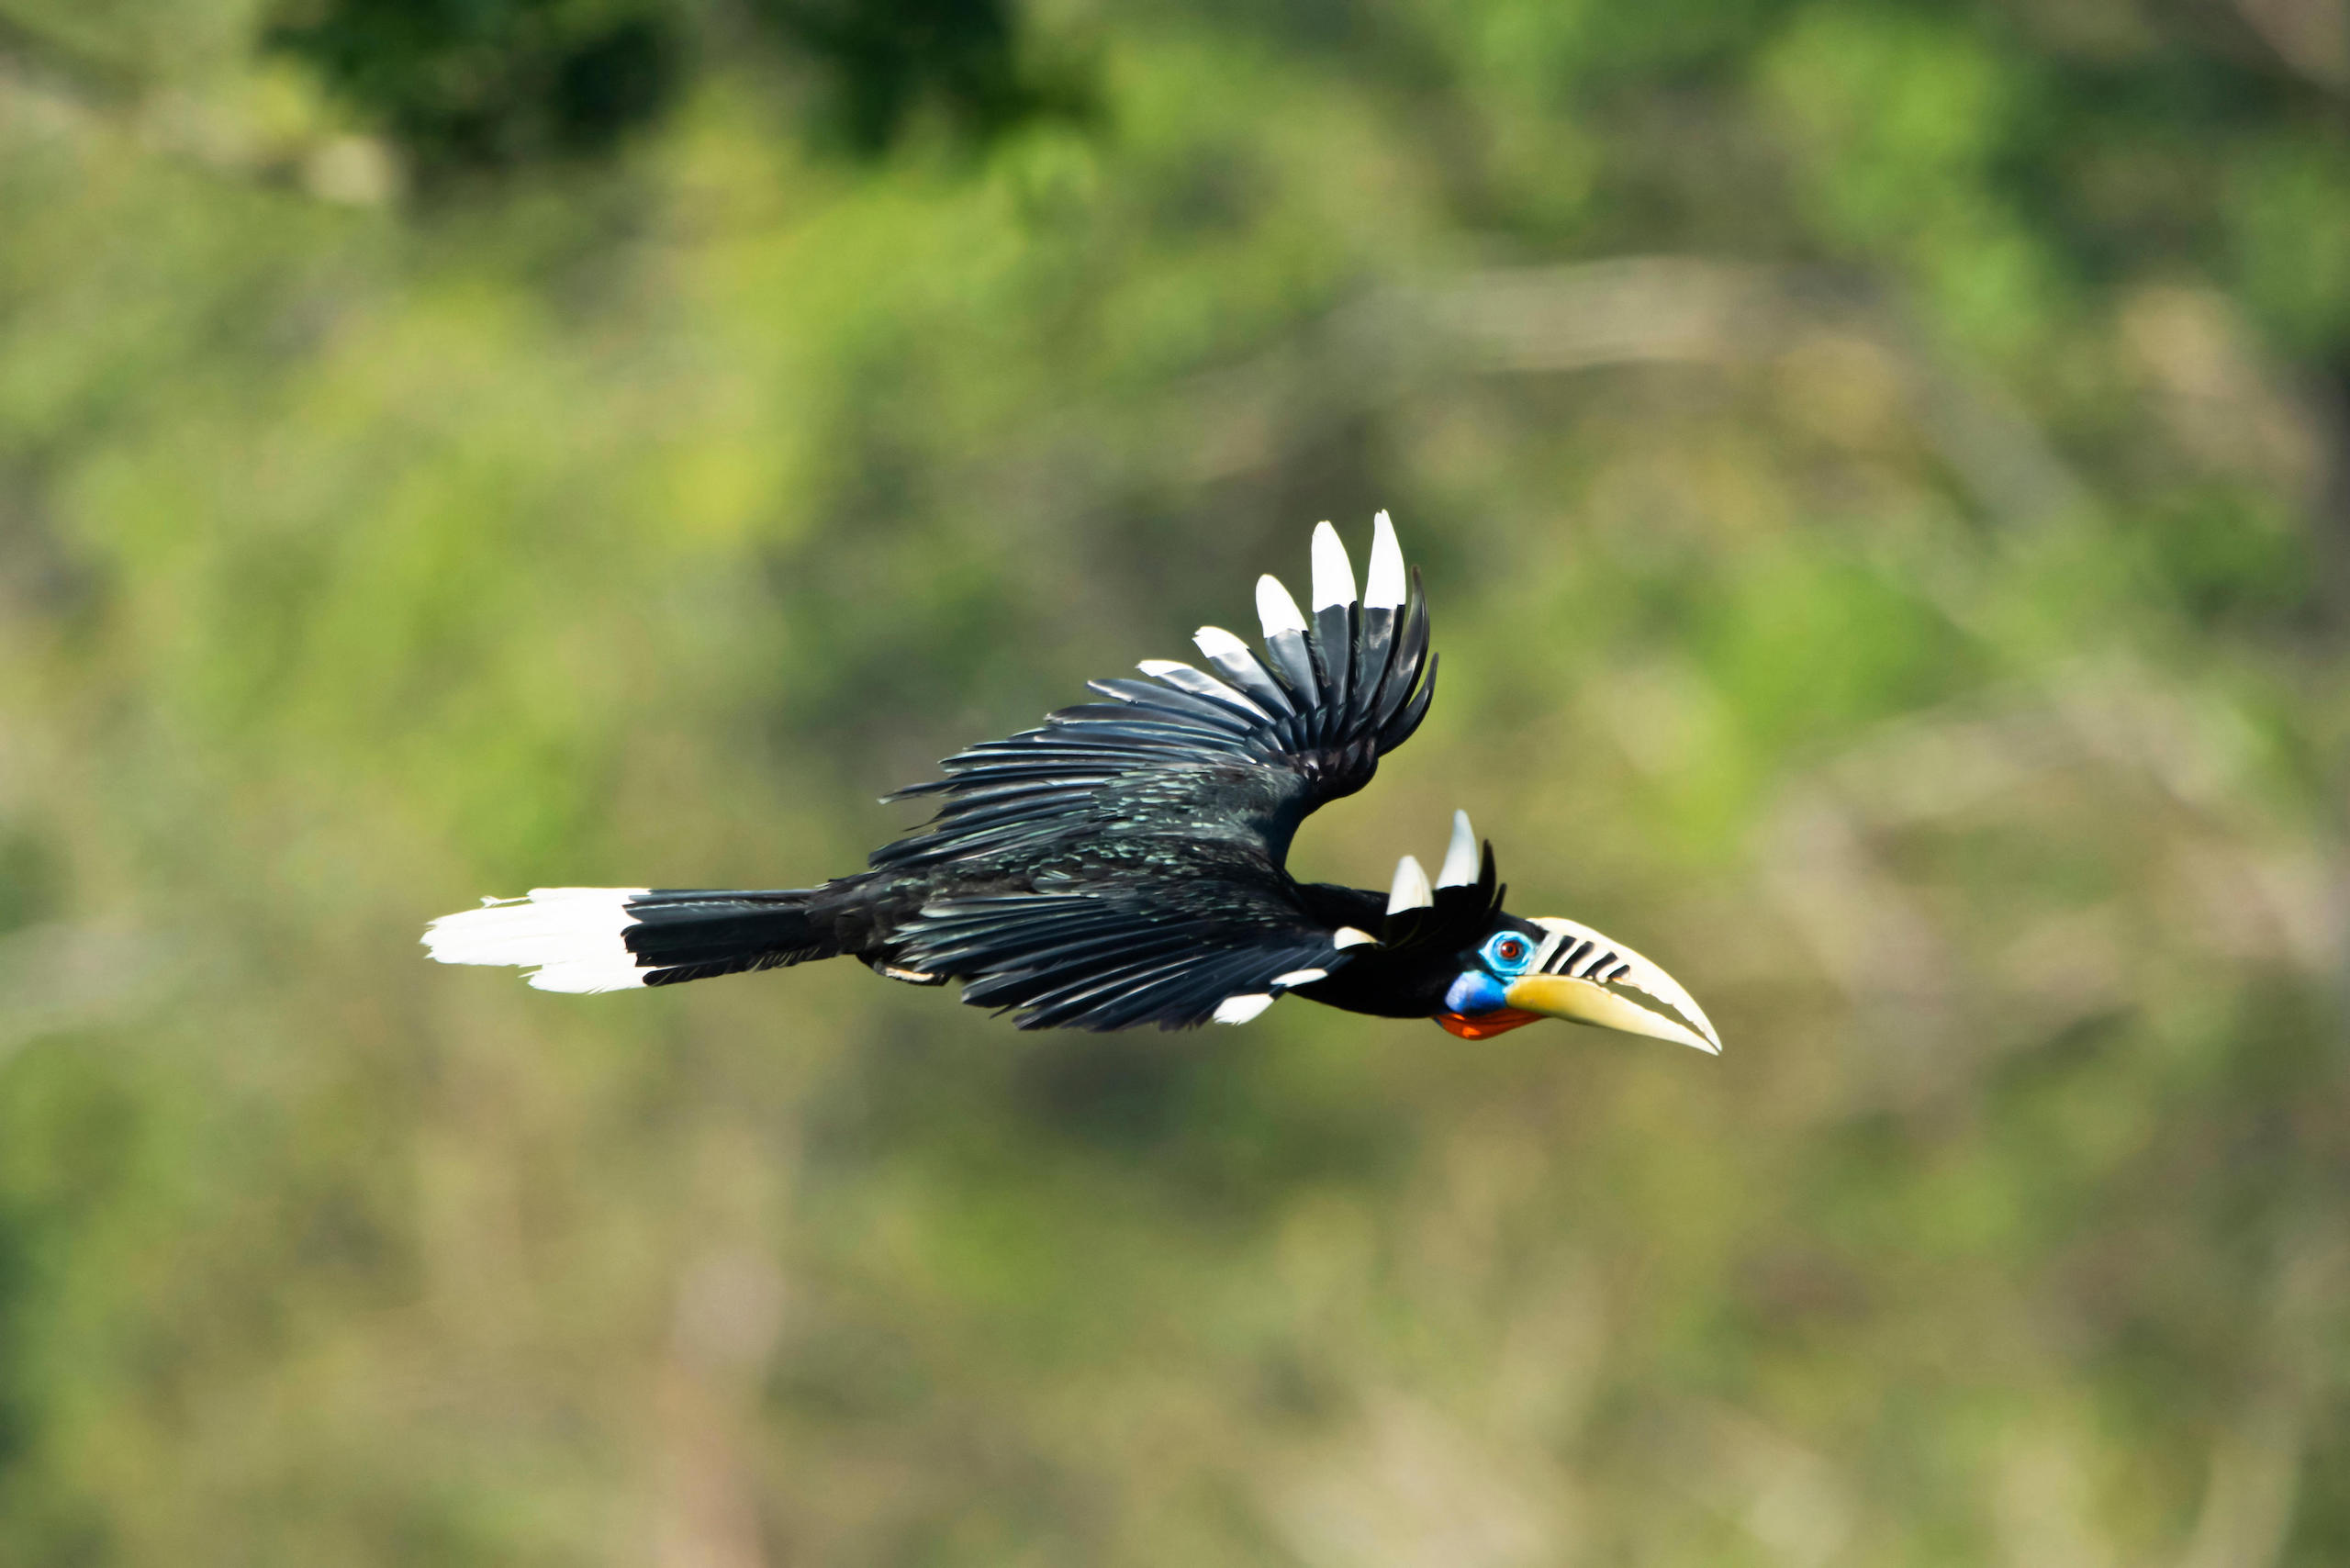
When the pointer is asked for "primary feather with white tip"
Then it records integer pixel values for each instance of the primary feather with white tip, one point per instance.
(1411, 889)
(1334, 574)
(1382, 588)
(1459, 856)
(1275, 609)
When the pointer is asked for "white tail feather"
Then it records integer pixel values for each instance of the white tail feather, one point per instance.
(572, 935)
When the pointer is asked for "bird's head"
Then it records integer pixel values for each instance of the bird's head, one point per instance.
(1499, 972)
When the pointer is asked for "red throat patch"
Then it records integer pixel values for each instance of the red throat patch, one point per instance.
(1485, 1025)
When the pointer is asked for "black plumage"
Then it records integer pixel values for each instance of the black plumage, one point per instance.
(1123, 862)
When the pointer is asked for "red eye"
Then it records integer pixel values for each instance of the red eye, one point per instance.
(1511, 951)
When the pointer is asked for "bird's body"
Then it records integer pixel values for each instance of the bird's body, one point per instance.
(1125, 863)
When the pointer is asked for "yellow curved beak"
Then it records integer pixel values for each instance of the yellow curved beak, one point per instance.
(1585, 977)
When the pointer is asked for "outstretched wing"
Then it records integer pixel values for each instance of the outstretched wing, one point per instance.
(1142, 839)
(1238, 756)
(1108, 960)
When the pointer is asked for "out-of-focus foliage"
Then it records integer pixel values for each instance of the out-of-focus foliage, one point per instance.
(881, 66)
(1880, 472)
(489, 83)
(468, 86)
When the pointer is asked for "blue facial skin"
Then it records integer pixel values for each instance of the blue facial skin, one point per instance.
(1506, 956)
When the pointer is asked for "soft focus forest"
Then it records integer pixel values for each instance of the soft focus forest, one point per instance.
(1883, 474)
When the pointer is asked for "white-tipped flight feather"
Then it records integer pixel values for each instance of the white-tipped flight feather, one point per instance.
(572, 935)
(1459, 856)
(1240, 1009)
(1383, 587)
(1275, 609)
(1334, 574)
(1411, 889)
(1217, 643)
(1184, 678)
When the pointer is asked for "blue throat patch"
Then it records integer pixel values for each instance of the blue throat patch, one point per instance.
(1475, 991)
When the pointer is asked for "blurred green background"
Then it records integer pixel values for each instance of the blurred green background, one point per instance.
(1884, 476)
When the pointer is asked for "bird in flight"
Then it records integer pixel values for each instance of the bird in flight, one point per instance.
(1124, 863)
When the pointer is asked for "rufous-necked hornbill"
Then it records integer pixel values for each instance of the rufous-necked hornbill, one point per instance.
(1122, 863)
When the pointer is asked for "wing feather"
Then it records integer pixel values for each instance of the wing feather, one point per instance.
(1145, 836)
(1243, 668)
(1184, 678)
(1263, 748)
(1106, 960)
